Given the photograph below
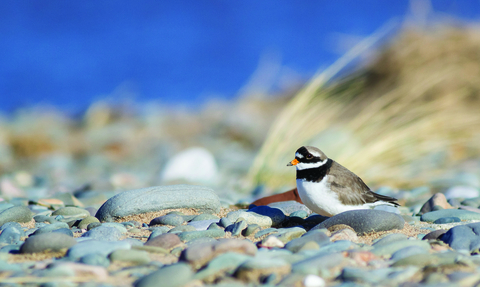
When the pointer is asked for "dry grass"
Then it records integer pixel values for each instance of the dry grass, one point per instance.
(401, 120)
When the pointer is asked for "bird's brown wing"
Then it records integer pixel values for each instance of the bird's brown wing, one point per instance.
(351, 189)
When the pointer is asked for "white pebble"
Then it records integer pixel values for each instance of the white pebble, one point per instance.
(313, 281)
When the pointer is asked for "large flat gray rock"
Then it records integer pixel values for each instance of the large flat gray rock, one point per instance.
(158, 198)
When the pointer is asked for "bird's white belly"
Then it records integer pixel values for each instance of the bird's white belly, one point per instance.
(320, 199)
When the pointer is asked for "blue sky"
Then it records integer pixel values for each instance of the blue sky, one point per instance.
(70, 53)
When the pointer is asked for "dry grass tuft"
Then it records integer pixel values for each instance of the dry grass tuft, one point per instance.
(409, 114)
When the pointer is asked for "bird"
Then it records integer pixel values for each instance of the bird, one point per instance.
(328, 188)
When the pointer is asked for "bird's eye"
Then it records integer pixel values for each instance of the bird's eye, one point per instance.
(309, 156)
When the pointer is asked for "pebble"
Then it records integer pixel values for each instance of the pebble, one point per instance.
(182, 228)
(251, 229)
(319, 237)
(95, 259)
(290, 207)
(10, 224)
(71, 212)
(462, 214)
(205, 216)
(16, 214)
(287, 234)
(436, 234)
(11, 234)
(444, 220)
(408, 251)
(237, 228)
(225, 263)
(203, 224)
(138, 257)
(272, 241)
(169, 219)
(253, 270)
(86, 221)
(175, 275)
(157, 198)
(95, 246)
(105, 233)
(365, 221)
(166, 241)
(318, 264)
(47, 241)
(190, 235)
(264, 216)
(51, 227)
(65, 231)
(438, 199)
(463, 237)
(392, 247)
(199, 254)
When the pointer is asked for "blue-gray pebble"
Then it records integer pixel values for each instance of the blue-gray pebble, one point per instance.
(365, 221)
(157, 198)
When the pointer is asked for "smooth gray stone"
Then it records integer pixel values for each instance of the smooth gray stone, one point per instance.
(169, 219)
(138, 257)
(203, 224)
(190, 235)
(5, 205)
(20, 214)
(337, 246)
(266, 231)
(156, 231)
(392, 247)
(71, 211)
(287, 234)
(10, 224)
(10, 248)
(290, 207)
(225, 263)
(315, 264)
(11, 235)
(318, 237)
(251, 229)
(47, 241)
(389, 239)
(408, 251)
(65, 231)
(463, 237)
(262, 215)
(225, 222)
(182, 228)
(120, 227)
(93, 225)
(157, 198)
(104, 233)
(444, 220)
(237, 228)
(462, 214)
(365, 221)
(51, 227)
(213, 226)
(95, 259)
(95, 246)
(175, 275)
(368, 276)
(299, 213)
(205, 216)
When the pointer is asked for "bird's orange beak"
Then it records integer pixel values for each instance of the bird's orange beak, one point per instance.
(293, 162)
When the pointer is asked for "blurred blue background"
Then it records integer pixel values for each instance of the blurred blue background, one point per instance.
(71, 53)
